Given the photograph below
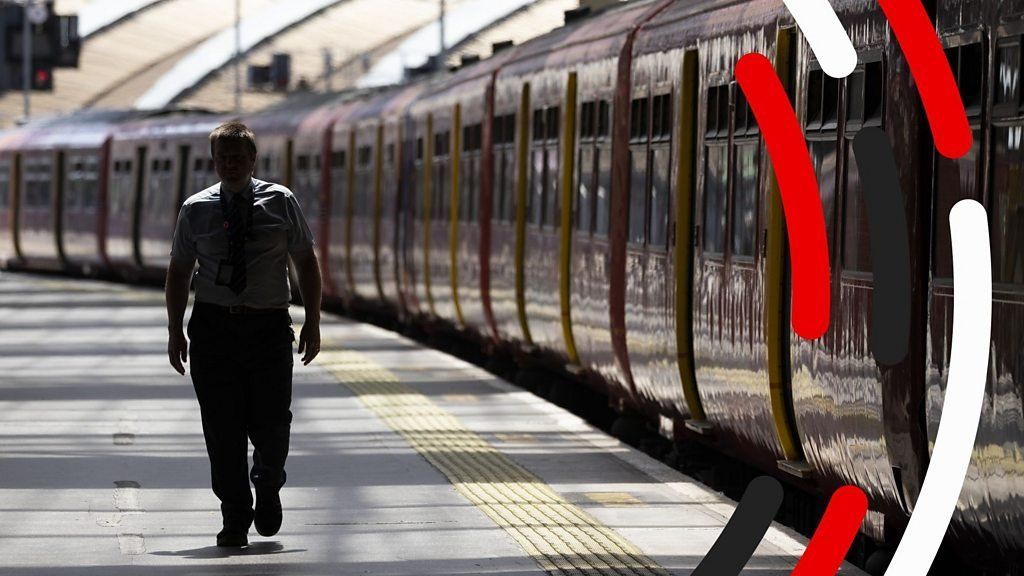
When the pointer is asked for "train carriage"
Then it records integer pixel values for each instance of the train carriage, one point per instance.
(59, 209)
(464, 204)
(983, 44)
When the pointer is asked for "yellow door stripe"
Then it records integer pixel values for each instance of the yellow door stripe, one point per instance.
(378, 172)
(686, 192)
(561, 537)
(455, 159)
(775, 323)
(349, 208)
(428, 209)
(565, 255)
(522, 161)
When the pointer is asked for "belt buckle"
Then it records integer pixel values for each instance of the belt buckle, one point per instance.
(236, 309)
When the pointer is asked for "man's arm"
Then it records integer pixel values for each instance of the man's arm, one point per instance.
(307, 269)
(179, 277)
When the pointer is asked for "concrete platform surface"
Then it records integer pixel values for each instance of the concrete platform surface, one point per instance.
(403, 461)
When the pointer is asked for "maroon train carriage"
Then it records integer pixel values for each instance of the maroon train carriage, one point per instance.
(60, 190)
(460, 203)
(311, 157)
(983, 45)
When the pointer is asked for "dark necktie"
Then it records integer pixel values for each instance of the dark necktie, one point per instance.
(236, 241)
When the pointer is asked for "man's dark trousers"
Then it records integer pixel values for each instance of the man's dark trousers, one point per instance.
(242, 374)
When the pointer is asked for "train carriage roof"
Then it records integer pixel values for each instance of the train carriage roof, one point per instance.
(285, 118)
(467, 80)
(179, 124)
(595, 38)
(86, 129)
(684, 21)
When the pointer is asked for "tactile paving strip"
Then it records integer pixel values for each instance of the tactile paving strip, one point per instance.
(561, 537)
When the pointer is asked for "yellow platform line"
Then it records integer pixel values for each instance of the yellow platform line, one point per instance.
(561, 537)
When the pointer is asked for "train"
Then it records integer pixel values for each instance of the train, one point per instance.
(600, 200)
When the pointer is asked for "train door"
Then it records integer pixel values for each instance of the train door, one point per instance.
(990, 173)
(139, 185)
(60, 189)
(683, 234)
(542, 252)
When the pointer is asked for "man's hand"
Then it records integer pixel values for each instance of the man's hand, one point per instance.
(309, 341)
(177, 351)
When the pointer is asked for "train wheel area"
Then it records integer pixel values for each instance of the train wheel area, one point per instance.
(403, 460)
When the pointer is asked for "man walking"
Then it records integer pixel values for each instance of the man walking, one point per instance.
(242, 232)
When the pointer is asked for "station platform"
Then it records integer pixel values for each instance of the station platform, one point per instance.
(403, 460)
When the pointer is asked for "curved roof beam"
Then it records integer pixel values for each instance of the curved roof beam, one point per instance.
(99, 14)
(219, 50)
(460, 24)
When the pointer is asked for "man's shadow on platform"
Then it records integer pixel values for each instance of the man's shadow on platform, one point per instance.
(256, 549)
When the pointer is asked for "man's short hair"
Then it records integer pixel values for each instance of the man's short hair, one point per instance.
(233, 130)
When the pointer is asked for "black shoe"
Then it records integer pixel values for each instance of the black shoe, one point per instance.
(233, 539)
(268, 511)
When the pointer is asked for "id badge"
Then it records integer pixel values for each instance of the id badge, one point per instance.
(224, 270)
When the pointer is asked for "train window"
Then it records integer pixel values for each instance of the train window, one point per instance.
(1007, 92)
(584, 175)
(602, 195)
(552, 120)
(711, 117)
(954, 180)
(603, 119)
(510, 129)
(167, 165)
(155, 165)
(664, 118)
(744, 122)
(637, 196)
(338, 159)
(1007, 210)
(303, 162)
(660, 176)
(657, 111)
(829, 103)
(814, 93)
(587, 131)
(856, 237)
(723, 111)
(552, 208)
(638, 120)
(855, 97)
(744, 205)
(824, 158)
(874, 92)
(419, 148)
(538, 125)
(715, 189)
(969, 72)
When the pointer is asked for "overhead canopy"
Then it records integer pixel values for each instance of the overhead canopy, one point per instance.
(99, 14)
(220, 49)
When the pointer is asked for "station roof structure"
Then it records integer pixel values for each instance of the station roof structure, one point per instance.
(152, 53)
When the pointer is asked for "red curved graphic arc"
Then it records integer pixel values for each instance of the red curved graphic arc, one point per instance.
(805, 219)
(835, 533)
(930, 68)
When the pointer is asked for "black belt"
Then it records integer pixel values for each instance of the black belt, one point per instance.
(240, 309)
